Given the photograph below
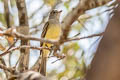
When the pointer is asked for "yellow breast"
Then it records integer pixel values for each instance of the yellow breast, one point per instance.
(53, 32)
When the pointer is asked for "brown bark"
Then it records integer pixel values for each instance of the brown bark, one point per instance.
(23, 20)
(106, 63)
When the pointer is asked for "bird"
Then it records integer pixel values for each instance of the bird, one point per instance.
(51, 31)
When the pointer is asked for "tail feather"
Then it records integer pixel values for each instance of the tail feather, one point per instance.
(43, 66)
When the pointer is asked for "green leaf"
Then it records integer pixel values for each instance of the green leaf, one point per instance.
(77, 26)
(76, 46)
(13, 3)
(73, 45)
(50, 2)
(2, 19)
(66, 4)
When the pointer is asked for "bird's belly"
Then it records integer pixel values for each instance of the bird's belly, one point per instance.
(53, 33)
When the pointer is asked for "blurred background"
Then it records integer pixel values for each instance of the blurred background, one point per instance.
(78, 53)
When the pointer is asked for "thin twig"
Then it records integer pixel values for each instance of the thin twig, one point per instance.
(91, 36)
(23, 46)
(57, 60)
(55, 42)
(12, 45)
(17, 62)
(4, 53)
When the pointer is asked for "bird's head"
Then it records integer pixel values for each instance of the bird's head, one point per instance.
(55, 14)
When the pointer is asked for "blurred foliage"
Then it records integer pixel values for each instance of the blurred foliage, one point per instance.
(50, 2)
(83, 18)
(2, 19)
(74, 68)
(1, 75)
(66, 4)
(5, 40)
(75, 46)
(10, 39)
(3, 43)
(1, 47)
(77, 26)
(81, 21)
(13, 3)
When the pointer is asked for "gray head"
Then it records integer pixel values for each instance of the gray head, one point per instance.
(55, 14)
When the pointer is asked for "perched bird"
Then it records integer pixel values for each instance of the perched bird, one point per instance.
(51, 31)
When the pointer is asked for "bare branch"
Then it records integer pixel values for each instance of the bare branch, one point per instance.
(23, 46)
(18, 35)
(9, 69)
(91, 36)
(8, 49)
(55, 42)
(76, 12)
(31, 75)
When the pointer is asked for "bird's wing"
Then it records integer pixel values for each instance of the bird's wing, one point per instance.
(45, 28)
(43, 61)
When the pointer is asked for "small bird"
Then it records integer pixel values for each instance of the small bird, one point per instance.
(51, 31)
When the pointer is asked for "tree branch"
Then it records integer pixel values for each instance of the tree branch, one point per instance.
(90, 36)
(9, 69)
(83, 5)
(23, 46)
(23, 20)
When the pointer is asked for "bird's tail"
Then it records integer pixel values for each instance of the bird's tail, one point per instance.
(43, 65)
